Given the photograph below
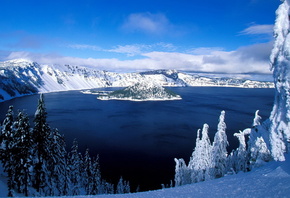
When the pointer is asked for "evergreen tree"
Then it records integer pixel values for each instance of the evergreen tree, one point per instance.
(8, 150)
(205, 160)
(23, 153)
(96, 177)
(87, 172)
(219, 152)
(241, 155)
(74, 167)
(258, 151)
(107, 188)
(257, 119)
(182, 173)
(57, 164)
(193, 164)
(122, 187)
(6, 134)
(41, 133)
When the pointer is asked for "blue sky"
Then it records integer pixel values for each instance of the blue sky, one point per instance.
(232, 36)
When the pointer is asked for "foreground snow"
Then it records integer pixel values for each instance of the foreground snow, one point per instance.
(271, 180)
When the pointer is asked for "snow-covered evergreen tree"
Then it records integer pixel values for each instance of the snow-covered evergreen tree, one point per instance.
(87, 173)
(8, 150)
(205, 159)
(182, 173)
(74, 169)
(219, 150)
(201, 165)
(240, 158)
(257, 119)
(258, 151)
(41, 133)
(280, 61)
(6, 133)
(57, 165)
(96, 177)
(24, 151)
(193, 162)
(122, 186)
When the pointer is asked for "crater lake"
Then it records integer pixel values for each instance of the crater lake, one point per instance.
(139, 140)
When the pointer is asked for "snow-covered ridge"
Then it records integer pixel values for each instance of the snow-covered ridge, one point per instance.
(21, 77)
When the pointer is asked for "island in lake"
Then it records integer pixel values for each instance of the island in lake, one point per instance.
(141, 91)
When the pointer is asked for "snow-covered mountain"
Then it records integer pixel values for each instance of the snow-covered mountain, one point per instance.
(142, 91)
(21, 77)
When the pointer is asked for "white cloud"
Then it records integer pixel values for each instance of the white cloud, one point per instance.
(205, 50)
(247, 59)
(85, 47)
(258, 29)
(129, 50)
(147, 22)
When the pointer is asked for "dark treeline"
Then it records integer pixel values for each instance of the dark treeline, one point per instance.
(36, 162)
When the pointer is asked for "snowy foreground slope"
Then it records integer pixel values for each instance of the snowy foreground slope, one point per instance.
(21, 77)
(271, 180)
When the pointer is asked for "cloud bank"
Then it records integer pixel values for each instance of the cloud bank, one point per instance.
(247, 59)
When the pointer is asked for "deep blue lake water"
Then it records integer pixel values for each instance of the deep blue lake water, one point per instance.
(139, 140)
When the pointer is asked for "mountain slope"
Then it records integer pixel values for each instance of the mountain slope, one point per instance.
(21, 77)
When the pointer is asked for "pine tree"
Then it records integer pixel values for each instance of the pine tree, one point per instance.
(257, 148)
(6, 133)
(57, 164)
(182, 173)
(96, 177)
(23, 154)
(8, 150)
(241, 155)
(41, 133)
(257, 119)
(87, 172)
(193, 165)
(219, 152)
(122, 186)
(74, 167)
(280, 115)
(206, 155)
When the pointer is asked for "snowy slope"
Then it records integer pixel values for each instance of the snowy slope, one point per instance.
(271, 180)
(21, 77)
